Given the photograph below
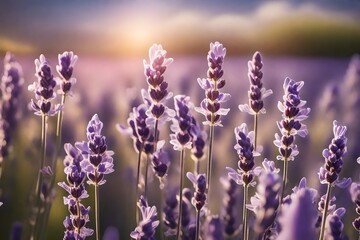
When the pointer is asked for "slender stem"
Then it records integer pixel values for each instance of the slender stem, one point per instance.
(245, 232)
(208, 169)
(284, 178)
(137, 185)
(197, 166)
(197, 225)
(323, 221)
(161, 210)
(97, 219)
(255, 130)
(156, 133)
(182, 156)
(146, 175)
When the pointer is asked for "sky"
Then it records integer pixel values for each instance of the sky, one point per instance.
(185, 27)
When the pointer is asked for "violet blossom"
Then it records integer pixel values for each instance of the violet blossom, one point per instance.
(65, 69)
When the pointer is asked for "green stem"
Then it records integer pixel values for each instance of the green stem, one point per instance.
(197, 166)
(161, 211)
(323, 221)
(137, 217)
(208, 169)
(284, 179)
(37, 228)
(97, 219)
(182, 156)
(146, 175)
(245, 231)
(197, 225)
(255, 130)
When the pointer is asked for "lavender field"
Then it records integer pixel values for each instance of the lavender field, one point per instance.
(207, 120)
(109, 87)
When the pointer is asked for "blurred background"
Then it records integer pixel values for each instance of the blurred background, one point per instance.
(314, 42)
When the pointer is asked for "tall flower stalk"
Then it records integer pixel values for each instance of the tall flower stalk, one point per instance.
(143, 140)
(10, 89)
(97, 161)
(210, 106)
(44, 92)
(75, 186)
(246, 172)
(293, 113)
(199, 199)
(256, 92)
(329, 172)
(181, 139)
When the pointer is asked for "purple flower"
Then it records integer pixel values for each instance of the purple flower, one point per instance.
(65, 69)
(75, 186)
(43, 89)
(210, 107)
(171, 212)
(229, 215)
(214, 228)
(355, 197)
(148, 224)
(160, 163)
(244, 147)
(198, 142)
(266, 201)
(10, 89)
(334, 226)
(199, 183)
(299, 217)
(256, 93)
(329, 172)
(182, 123)
(98, 160)
(293, 113)
(141, 132)
(157, 92)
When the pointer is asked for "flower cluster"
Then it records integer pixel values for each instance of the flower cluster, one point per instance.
(214, 228)
(182, 123)
(10, 88)
(199, 183)
(43, 89)
(229, 201)
(293, 113)
(198, 142)
(334, 225)
(244, 147)
(256, 93)
(141, 132)
(157, 92)
(355, 197)
(75, 186)
(148, 224)
(160, 163)
(329, 172)
(65, 69)
(98, 160)
(210, 106)
(170, 212)
(266, 201)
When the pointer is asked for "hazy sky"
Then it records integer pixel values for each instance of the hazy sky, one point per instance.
(130, 27)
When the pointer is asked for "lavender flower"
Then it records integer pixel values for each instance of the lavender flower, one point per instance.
(199, 183)
(355, 197)
(293, 113)
(333, 155)
(182, 123)
(266, 201)
(65, 69)
(43, 89)
(10, 89)
(98, 160)
(214, 228)
(244, 147)
(334, 225)
(298, 218)
(75, 186)
(210, 107)
(256, 93)
(148, 224)
(198, 144)
(230, 206)
(157, 92)
(140, 131)
(160, 163)
(170, 212)
(186, 217)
